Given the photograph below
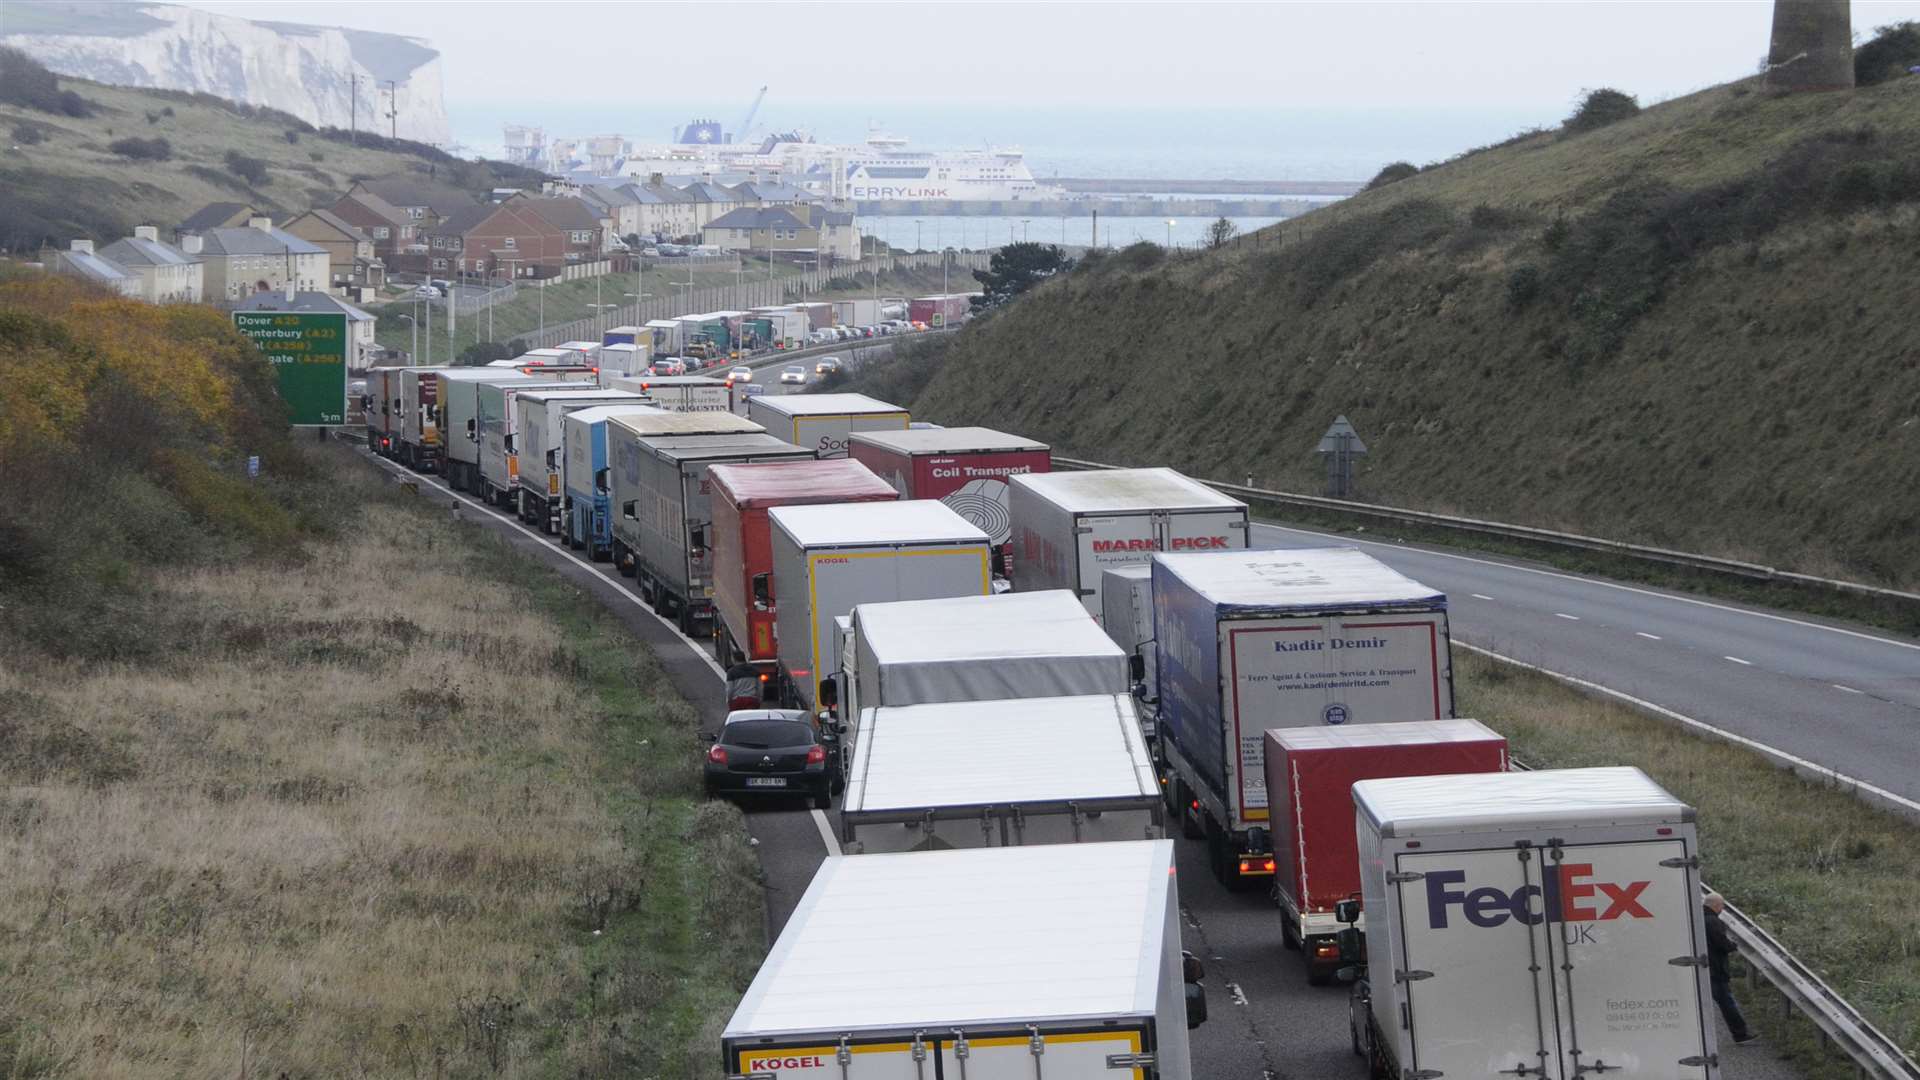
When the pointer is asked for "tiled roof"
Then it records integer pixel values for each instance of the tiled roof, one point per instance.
(465, 218)
(406, 191)
(379, 207)
(94, 267)
(215, 215)
(565, 213)
(133, 251)
(748, 217)
(351, 230)
(246, 240)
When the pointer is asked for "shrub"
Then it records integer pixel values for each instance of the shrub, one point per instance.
(1523, 285)
(1892, 51)
(1601, 107)
(26, 82)
(1392, 174)
(155, 149)
(1350, 245)
(292, 136)
(315, 155)
(153, 117)
(251, 169)
(25, 134)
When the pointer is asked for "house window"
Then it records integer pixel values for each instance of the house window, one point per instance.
(439, 264)
(381, 232)
(511, 243)
(414, 213)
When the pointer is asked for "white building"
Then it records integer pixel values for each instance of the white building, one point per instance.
(81, 261)
(257, 258)
(167, 274)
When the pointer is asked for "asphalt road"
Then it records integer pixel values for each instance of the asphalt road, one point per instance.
(1266, 1022)
(1840, 697)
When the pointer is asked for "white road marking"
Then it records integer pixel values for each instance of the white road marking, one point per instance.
(1847, 689)
(1564, 615)
(1480, 596)
(1737, 660)
(1238, 995)
(1795, 762)
(1649, 637)
(826, 832)
(1915, 646)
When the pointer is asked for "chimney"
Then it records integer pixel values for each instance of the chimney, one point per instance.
(264, 224)
(82, 247)
(1812, 45)
(190, 243)
(146, 232)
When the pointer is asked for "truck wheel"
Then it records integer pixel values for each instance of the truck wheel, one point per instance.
(822, 801)
(1318, 974)
(1289, 937)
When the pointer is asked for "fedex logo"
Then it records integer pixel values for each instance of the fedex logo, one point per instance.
(1180, 543)
(1570, 896)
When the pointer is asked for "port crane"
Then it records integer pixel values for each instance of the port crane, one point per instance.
(752, 111)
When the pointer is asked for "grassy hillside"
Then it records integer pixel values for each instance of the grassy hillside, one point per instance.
(1693, 328)
(63, 179)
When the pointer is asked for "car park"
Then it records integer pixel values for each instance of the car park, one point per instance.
(772, 752)
(794, 373)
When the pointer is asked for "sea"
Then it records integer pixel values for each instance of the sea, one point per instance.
(1240, 142)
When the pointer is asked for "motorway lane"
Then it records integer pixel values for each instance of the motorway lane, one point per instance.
(1266, 1022)
(1843, 697)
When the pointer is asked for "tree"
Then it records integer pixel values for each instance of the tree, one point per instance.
(1601, 107)
(482, 353)
(1017, 268)
(1392, 174)
(1221, 232)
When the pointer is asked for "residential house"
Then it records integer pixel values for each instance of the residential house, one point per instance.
(839, 233)
(82, 262)
(257, 258)
(167, 274)
(710, 200)
(664, 211)
(349, 249)
(619, 211)
(533, 236)
(757, 229)
(771, 193)
(423, 202)
(361, 348)
(394, 235)
(219, 215)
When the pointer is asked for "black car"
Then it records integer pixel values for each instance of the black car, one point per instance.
(772, 752)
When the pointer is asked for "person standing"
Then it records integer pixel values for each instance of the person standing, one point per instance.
(1719, 949)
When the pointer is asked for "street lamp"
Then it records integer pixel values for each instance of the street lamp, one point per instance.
(1169, 233)
(412, 324)
(916, 235)
(1023, 229)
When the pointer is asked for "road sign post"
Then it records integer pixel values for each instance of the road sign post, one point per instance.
(308, 351)
(1341, 444)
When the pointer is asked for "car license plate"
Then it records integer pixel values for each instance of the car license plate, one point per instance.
(766, 781)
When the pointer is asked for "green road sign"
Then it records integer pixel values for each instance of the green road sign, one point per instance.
(308, 350)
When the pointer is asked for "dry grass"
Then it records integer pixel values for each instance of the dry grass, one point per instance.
(393, 813)
(1828, 876)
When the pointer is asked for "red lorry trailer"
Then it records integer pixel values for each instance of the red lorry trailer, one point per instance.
(743, 553)
(1310, 778)
(949, 309)
(965, 467)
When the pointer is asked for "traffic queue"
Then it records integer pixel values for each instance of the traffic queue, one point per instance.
(1025, 686)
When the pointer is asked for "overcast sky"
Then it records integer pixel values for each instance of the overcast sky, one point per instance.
(1288, 55)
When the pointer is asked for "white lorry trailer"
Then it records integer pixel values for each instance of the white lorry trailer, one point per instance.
(1062, 962)
(1126, 614)
(458, 397)
(1045, 770)
(538, 446)
(662, 516)
(822, 422)
(975, 648)
(679, 393)
(1253, 640)
(1539, 924)
(497, 423)
(828, 559)
(1071, 527)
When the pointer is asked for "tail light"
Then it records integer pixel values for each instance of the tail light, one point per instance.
(1194, 805)
(816, 754)
(764, 677)
(1256, 866)
(717, 755)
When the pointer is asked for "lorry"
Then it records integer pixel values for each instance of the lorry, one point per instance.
(1253, 640)
(743, 548)
(586, 494)
(947, 309)
(666, 337)
(379, 404)
(416, 439)
(548, 357)
(987, 773)
(1310, 777)
(1071, 527)
(537, 447)
(626, 335)
(827, 561)
(1126, 614)
(455, 419)
(823, 422)
(624, 358)
(1554, 916)
(858, 312)
(965, 467)
(974, 648)
(679, 393)
(497, 424)
(662, 497)
(1054, 961)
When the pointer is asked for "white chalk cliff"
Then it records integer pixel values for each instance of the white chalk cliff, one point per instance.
(309, 71)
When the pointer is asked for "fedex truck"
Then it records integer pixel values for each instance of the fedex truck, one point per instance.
(823, 422)
(1071, 527)
(1253, 640)
(828, 561)
(965, 467)
(1310, 778)
(1005, 963)
(1553, 916)
(538, 447)
(912, 787)
(743, 547)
